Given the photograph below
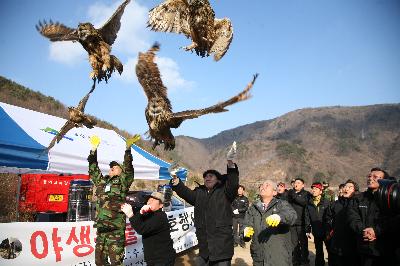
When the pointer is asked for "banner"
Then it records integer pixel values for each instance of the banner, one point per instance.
(73, 243)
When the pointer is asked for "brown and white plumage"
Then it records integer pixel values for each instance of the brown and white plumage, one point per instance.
(158, 112)
(196, 20)
(77, 118)
(97, 42)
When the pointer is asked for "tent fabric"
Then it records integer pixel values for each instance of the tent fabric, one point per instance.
(25, 134)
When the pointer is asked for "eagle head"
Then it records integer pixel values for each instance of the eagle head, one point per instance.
(85, 30)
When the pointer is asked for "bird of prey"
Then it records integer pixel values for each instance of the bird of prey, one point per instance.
(77, 118)
(97, 42)
(158, 112)
(196, 20)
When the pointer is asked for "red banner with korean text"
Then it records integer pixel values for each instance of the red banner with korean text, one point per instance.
(73, 243)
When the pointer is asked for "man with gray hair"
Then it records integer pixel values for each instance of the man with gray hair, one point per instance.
(268, 222)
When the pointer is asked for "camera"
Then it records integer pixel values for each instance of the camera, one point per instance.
(388, 196)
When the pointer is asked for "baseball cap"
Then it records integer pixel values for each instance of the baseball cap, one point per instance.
(317, 185)
(158, 195)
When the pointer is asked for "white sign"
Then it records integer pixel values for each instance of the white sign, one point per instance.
(73, 243)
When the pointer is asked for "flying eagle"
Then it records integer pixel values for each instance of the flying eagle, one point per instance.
(158, 112)
(97, 42)
(196, 20)
(77, 118)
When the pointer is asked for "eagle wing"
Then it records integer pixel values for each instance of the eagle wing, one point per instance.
(67, 127)
(224, 35)
(179, 117)
(57, 31)
(149, 76)
(170, 16)
(82, 103)
(111, 27)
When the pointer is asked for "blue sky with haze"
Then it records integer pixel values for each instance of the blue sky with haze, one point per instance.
(309, 53)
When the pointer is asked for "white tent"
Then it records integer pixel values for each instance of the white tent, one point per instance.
(24, 135)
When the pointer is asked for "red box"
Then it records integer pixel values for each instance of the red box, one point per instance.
(45, 192)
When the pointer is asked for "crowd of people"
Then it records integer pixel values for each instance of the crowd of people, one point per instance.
(279, 223)
(351, 225)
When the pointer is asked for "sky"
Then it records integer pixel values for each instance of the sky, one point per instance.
(309, 53)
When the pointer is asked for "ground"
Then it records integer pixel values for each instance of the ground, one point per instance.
(240, 258)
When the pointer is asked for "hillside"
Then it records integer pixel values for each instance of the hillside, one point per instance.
(332, 143)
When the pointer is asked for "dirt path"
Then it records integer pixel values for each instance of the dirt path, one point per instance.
(241, 256)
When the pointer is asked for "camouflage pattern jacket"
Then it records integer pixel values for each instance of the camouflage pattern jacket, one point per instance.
(111, 193)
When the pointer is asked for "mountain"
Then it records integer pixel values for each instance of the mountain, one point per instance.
(332, 143)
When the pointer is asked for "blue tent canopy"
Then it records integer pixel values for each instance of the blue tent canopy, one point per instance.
(25, 134)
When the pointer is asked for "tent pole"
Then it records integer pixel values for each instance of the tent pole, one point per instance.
(18, 196)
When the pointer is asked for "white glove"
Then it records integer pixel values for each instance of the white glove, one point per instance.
(232, 152)
(173, 169)
(145, 209)
(127, 209)
(273, 220)
(236, 211)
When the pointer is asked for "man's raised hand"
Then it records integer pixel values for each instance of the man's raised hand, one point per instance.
(232, 152)
(129, 142)
(94, 142)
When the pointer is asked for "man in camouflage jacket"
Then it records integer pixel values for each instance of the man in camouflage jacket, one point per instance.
(111, 193)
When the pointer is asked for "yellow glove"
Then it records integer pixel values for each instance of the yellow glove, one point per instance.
(94, 142)
(133, 140)
(248, 232)
(273, 220)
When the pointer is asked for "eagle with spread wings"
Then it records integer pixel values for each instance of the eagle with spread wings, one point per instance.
(97, 42)
(77, 118)
(158, 112)
(196, 20)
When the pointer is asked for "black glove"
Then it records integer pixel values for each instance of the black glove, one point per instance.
(92, 158)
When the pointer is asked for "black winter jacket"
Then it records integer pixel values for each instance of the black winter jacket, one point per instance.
(342, 238)
(241, 203)
(363, 212)
(299, 201)
(155, 230)
(282, 196)
(213, 215)
(316, 215)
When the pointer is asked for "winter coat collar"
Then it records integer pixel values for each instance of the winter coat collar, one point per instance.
(259, 205)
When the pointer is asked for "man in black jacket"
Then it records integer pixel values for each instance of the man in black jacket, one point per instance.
(152, 223)
(239, 208)
(316, 210)
(298, 198)
(342, 241)
(213, 212)
(363, 217)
